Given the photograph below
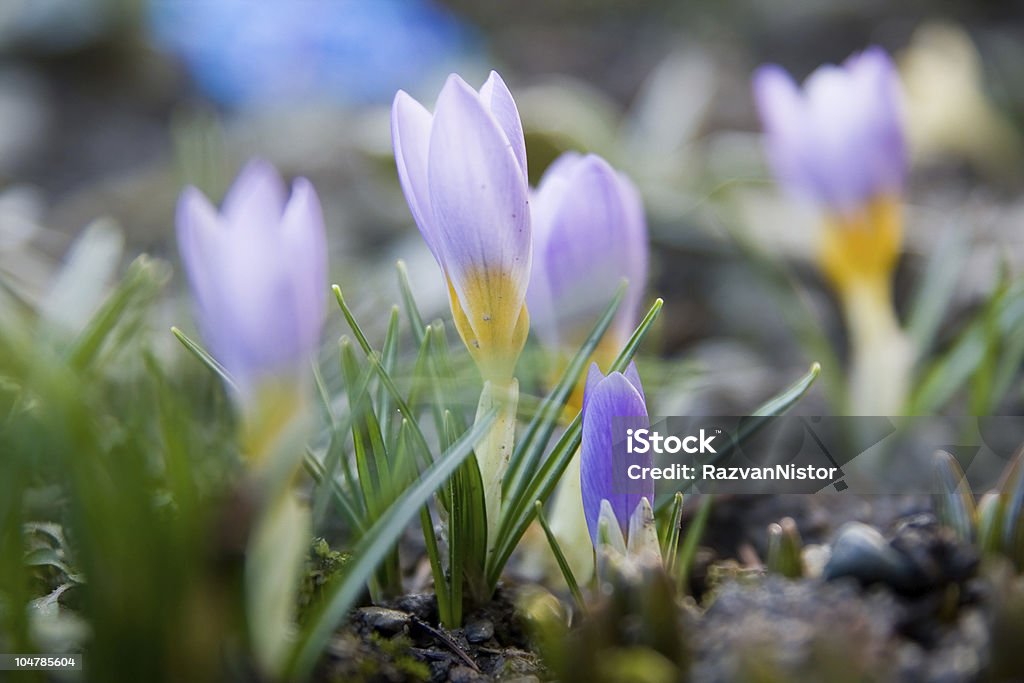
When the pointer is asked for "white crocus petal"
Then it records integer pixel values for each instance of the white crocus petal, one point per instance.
(199, 233)
(410, 133)
(642, 543)
(497, 98)
(480, 205)
(304, 241)
(781, 106)
(609, 534)
(255, 200)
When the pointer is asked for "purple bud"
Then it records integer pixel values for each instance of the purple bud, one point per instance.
(258, 273)
(838, 141)
(589, 233)
(611, 405)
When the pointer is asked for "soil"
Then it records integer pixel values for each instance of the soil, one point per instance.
(897, 598)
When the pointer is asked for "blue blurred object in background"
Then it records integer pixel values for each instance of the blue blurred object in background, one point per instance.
(243, 53)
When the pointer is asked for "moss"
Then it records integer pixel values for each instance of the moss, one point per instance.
(396, 652)
(322, 565)
(373, 659)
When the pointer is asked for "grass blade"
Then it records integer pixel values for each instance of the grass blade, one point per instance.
(748, 426)
(412, 311)
(318, 473)
(385, 378)
(778, 405)
(389, 359)
(206, 359)
(690, 541)
(670, 548)
(372, 549)
(533, 441)
(144, 280)
(563, 564)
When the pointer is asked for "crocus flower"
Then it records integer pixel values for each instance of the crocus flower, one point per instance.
(257, 270)
(589, 233)
(611, 405)
(463, 172)
(839, 141)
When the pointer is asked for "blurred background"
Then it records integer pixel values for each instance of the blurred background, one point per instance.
(107, 107)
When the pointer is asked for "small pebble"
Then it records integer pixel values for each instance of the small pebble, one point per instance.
(420, 605)
(861, 552)
(383, 620)
(479, 631)
(463, 674)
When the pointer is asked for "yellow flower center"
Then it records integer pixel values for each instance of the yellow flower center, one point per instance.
(862, 247)
(493, 323)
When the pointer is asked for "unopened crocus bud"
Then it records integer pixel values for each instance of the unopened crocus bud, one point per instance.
(589, 234)
(258, 274)
(463, 172)
(839, 142)
(612, 405)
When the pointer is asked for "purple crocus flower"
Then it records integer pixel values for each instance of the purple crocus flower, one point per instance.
(463, 172)
(839, 141)
(589, 232)
(611, 405)
(258, 273)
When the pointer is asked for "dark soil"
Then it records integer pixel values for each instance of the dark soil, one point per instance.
(897, 598)
(404, 642)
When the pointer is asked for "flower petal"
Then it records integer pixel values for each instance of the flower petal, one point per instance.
(839, 142)
(410, 136)
(594, 377)
(594, 236)
(633, 376)
(609, 536)
(198, 225)
(497, 98)
(480, 206)
(560, 168)
(201, 243)
(304, 241)
(256, 198)
(544, 203)
(635, 258)
(612, 407)
(642, 540)
(783, 115)
(879, 83)
(260, 292)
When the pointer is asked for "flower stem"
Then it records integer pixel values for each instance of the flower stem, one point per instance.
(495, 448)
(881, 355)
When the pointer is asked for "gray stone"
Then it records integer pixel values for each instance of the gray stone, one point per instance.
(479, 631)
(383, 620)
